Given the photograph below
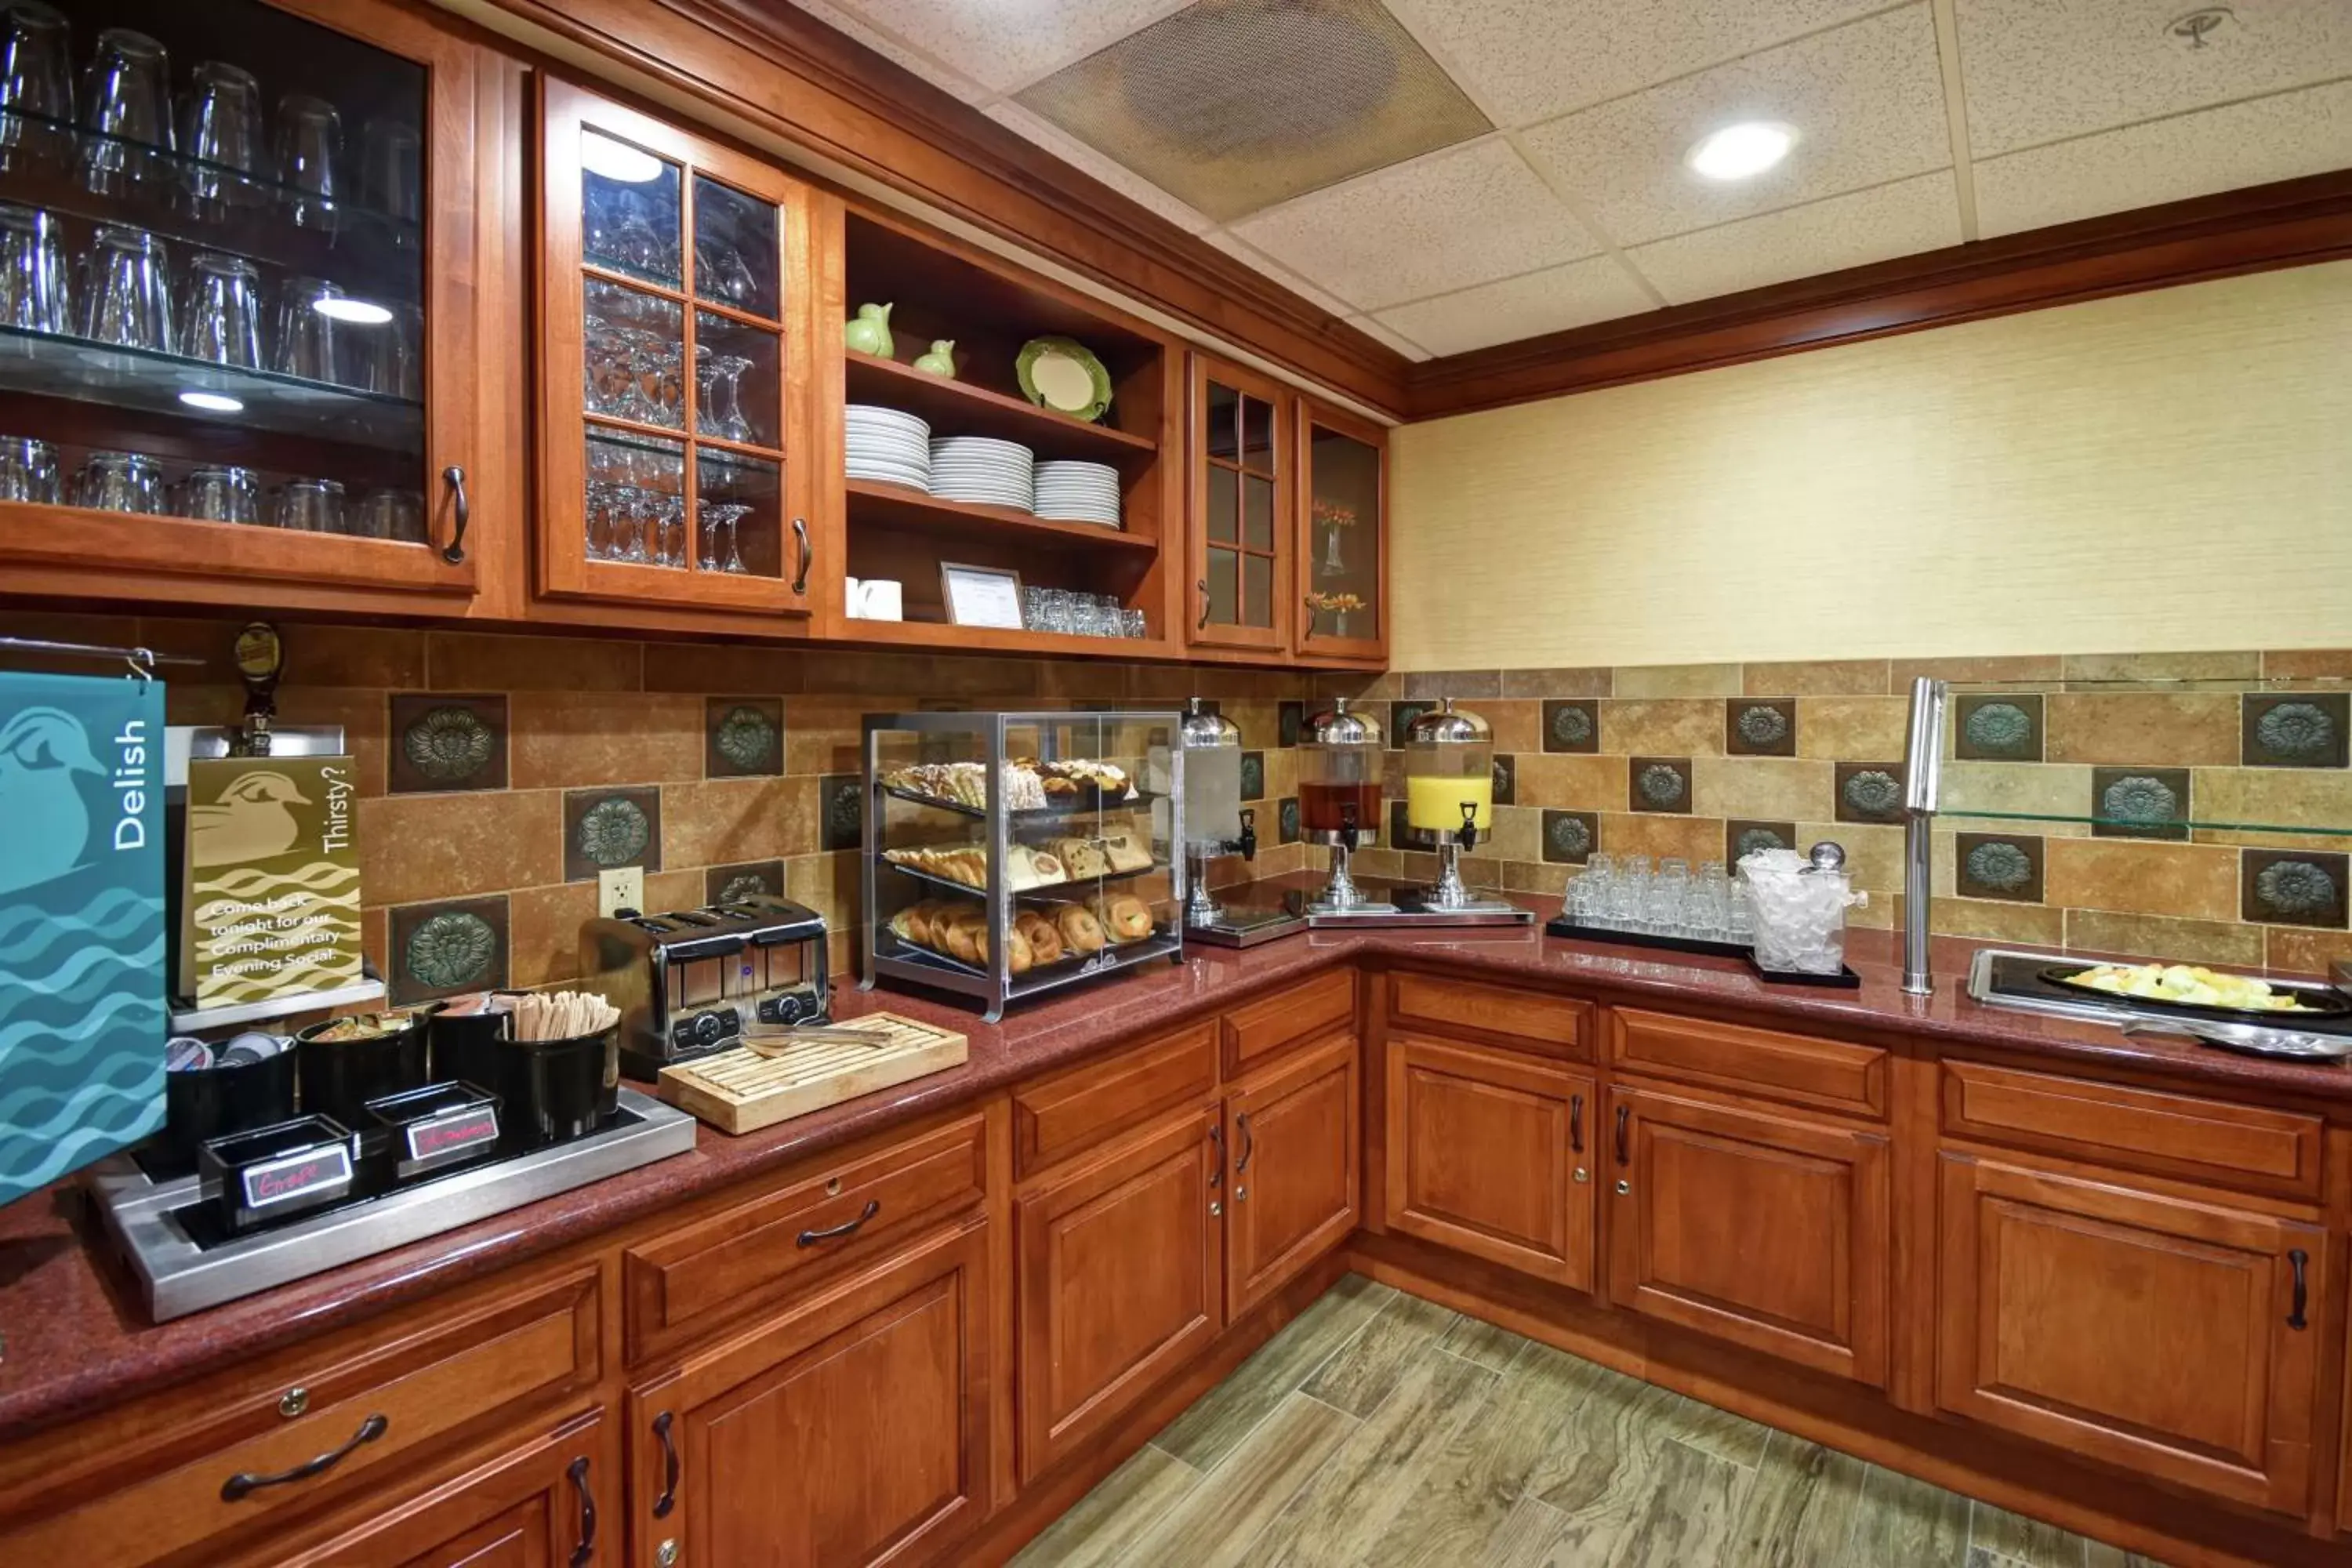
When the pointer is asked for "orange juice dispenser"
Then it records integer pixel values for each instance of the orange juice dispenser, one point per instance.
(1449, 788)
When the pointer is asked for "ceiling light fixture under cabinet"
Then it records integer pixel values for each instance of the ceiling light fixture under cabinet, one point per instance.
(1741, 152)
(213, 402)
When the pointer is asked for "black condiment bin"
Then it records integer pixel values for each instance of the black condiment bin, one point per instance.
(204, 1104)
(470, 1047)
(425, 1131)
(561, 1090)
(340, 1076)
(269, 1174)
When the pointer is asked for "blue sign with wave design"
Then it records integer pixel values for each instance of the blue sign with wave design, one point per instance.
(82, 922)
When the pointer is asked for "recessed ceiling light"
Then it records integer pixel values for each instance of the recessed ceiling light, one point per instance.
(617, 159)
(1741, 152)
(359, 313)
(213, 402)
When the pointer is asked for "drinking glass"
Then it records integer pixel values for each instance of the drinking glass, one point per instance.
(34, 291)
(127, 295)
(308, 147)
(721, 413)
(126, 106)
(37, 85)
(119, 482)
(220, 313)
(221, 493)
(220, 133)
(392, 514)
(304, 344)
(310, 506)
(392, 356)
(1132, 623)
(1669, 890)
(1629, 892)
(1711, 900)
(29, 470)
(391, 175)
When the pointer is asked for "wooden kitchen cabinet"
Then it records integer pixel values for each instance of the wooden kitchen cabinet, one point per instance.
(1342, 537)
(342, 449)
(1766, 1229)
(1490, 1152)
(1294, 1135)
(850, 1428)
(2175, 1337)
(1120, 1264)
(1242, 447)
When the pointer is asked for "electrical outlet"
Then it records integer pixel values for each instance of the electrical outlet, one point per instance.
(621, 888)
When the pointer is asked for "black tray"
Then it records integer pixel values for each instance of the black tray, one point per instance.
(1562, 926)
(2319, 999)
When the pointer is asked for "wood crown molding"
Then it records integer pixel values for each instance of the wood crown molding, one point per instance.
(2288, 223)
(770, 63)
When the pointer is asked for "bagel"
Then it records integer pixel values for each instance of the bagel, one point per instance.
(1080, 931)
(1125, 916)
(1017, 954)
(967, 938)
(1045, 940)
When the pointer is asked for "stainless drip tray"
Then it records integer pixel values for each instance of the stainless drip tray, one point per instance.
(183, 1267)
(2012, 978)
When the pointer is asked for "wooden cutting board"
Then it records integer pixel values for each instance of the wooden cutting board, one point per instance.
(747, 1089)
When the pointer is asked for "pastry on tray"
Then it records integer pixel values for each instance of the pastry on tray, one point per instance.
(1127, 850)
(1123, 916)
(1082, 858)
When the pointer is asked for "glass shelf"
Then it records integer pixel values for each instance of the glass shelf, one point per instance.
(55, 366)
(2144, 824)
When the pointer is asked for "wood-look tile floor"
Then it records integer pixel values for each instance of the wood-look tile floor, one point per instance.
(1381, 1429)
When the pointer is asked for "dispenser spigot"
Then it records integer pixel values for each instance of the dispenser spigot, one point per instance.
(1468, 834)
(1248, 840)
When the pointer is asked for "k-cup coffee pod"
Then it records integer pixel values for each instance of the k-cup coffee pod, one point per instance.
(186, 1053)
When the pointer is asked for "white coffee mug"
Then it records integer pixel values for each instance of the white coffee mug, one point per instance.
(885, 600)
(853, 596)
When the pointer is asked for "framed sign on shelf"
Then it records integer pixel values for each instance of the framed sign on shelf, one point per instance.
(981, 596)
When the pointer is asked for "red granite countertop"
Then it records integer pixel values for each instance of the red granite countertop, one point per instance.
(76, 1340)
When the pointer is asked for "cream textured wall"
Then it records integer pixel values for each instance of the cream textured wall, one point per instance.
(2163, 471)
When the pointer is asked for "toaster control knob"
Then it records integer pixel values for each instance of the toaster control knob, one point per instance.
(705, 1029)
(789, 1008)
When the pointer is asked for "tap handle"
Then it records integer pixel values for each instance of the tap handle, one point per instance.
(1249, 833)
(1468, 834)
(1348, 823)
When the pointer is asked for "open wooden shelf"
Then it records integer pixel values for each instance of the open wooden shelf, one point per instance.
(959, 409)
(872, 501)
(998, 640)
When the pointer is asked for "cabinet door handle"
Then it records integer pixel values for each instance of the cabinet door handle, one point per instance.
(244, 1482)
(1202, 623)
(1217, 1172)
(668, 1498)
(1249, 1142)
(808, 554)
(2301, 1261)
(1576, 1124)
(462, 513)
(846, 1228)
(1624, 1147)
(578, 1473)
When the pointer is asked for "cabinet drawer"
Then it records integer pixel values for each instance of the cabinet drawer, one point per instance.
(1800, 1068)
(749, 1256)
(1557, 1025)
(1078, 1110)
(2138, 1129)
(1303, 1013)
(391, 1403)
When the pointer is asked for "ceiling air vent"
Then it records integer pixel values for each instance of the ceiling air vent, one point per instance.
(1235, 105)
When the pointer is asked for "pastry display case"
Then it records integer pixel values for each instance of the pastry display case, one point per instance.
(1008, 854)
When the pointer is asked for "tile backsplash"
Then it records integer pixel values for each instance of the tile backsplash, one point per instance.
(1705, 761)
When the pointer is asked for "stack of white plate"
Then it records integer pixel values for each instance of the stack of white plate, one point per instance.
(985, 470)
(1078, 492)
(886, 445)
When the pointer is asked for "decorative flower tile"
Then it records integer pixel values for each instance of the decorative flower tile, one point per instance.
(725, 884)
(1570, 837)
(444, 742)
(2002, 728)
(1507, 779)
(1403, 837)
(1253, 775)
(1290, 718)
(604, 828)
(841, 812)
(1401, 717)
(1286, 813)
(2294, 729)
(443, 950)
(1659, 783)
(742, 737)
(1754, 727)
(1869, 792)
(2121, 797)
(1741, 836)
(1572, 725)
(2005, 866)
(2294, 887)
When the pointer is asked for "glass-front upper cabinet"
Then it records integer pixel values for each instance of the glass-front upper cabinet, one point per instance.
(1342, 536)
(1241, 498)
(237, 301)
(675, 367)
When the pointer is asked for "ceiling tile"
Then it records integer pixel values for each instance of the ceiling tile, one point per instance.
(1526, 60)
(1254, 257)
(1551, 300)
(2278, 138)
(1008, 44)
(1464, 215)
(1866, 99)
(1076, 154)
(1372, 327)
(2035, 71)
(1898, 219)
(890, 48)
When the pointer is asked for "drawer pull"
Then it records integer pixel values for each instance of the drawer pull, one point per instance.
(2302, 1263)
(808, 555)
(846, 1228)
(578, 1473)
(668, 1498)
(1624, 1149)
(461, 513)
(1249, 1142)
(246, 1481)
(1576, 1124)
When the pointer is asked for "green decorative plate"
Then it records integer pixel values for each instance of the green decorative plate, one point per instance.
(1065, 376)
